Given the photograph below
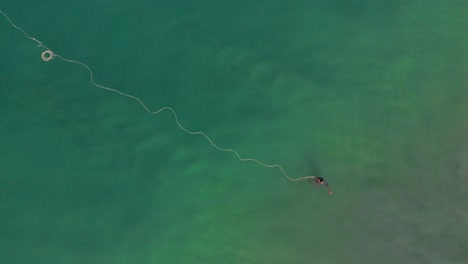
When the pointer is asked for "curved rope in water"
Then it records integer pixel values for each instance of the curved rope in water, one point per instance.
(48, 55)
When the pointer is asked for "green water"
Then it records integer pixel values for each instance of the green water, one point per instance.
(370, 95)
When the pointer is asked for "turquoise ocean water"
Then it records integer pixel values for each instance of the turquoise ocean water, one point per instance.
(371, 95)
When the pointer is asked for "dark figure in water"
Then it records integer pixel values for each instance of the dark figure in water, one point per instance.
(320, 180)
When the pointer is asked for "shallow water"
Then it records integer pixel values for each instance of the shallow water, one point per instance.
(370, 95)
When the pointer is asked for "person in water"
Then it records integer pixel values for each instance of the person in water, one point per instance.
(321, 181)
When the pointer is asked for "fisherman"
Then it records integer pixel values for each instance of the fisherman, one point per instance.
(321, 181)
